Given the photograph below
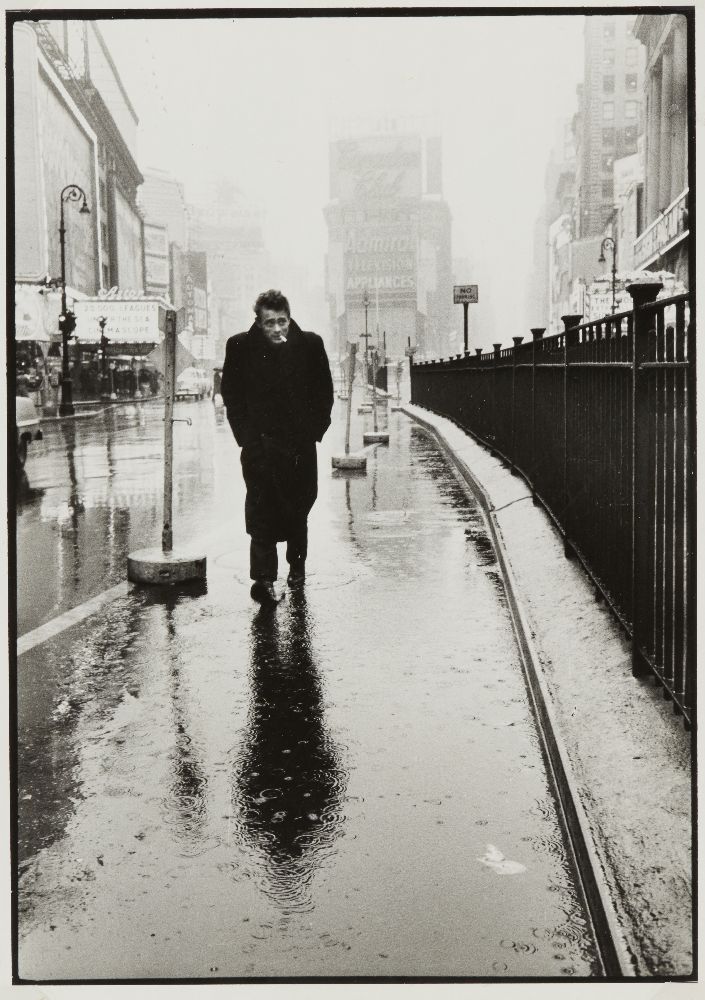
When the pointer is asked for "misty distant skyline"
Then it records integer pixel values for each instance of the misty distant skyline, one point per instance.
(258, 100)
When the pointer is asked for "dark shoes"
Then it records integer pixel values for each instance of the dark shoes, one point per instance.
(264, 592)
(297, 575)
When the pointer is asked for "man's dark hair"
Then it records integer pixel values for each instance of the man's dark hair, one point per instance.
(272, 299)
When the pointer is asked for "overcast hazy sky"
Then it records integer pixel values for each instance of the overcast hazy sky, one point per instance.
(254, 100)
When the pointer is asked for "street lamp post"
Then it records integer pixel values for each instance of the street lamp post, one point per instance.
(609, 243)
(366, 303)
(67, 320)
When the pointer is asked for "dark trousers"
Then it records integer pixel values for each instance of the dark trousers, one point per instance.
(263, 554)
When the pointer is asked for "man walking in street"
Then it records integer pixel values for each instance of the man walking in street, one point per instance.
(278, 394)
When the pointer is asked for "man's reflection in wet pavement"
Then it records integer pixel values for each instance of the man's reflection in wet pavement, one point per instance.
(288, 781)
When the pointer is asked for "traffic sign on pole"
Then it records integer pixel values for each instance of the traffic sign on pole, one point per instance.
(464, 293)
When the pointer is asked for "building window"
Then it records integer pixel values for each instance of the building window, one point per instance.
(607, 163)
(608, 30)
(608, 111)
(607, 189)
(631, 56)
(630, 137)
(608, 136)
(631, 109)
(630, 83)
(608, 84)
(608, 58)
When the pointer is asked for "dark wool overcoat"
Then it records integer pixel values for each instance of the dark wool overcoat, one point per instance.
(278, 398)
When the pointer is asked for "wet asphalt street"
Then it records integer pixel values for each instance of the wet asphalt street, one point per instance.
(348, 785)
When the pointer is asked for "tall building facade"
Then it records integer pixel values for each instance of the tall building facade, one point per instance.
(229, 230)
(610, 115)
(80, 57)
(664, 242)
(163, 203)
(388, 266)
(554, 226)
(74, 125)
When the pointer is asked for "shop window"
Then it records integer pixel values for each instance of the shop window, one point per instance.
(608, 111)
(608, 84)
(630, 83)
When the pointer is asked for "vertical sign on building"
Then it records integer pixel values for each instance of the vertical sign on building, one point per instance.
(196, 301)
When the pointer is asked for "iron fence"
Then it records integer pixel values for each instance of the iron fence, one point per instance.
(600, 422)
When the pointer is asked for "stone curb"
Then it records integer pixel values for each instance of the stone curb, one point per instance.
(629, 756)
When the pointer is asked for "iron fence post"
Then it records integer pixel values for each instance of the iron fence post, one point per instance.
(516, 341)
(496, 348)
(537, 333)
(570, 325)
(642, 293)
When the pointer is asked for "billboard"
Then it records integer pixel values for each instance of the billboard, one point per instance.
(379, 167)
(130, 250)
(30, 229)
(130, 321)
(68, 157)
(156, 240)
(379, 257)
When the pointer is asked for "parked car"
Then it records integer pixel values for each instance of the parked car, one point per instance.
(192, 383)
(27, 427)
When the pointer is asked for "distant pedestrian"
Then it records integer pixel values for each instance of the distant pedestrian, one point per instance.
(278, 393)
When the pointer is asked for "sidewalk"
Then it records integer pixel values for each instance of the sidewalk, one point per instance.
(629, 755)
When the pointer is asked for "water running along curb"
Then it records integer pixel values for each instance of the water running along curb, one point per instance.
(615, 955)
